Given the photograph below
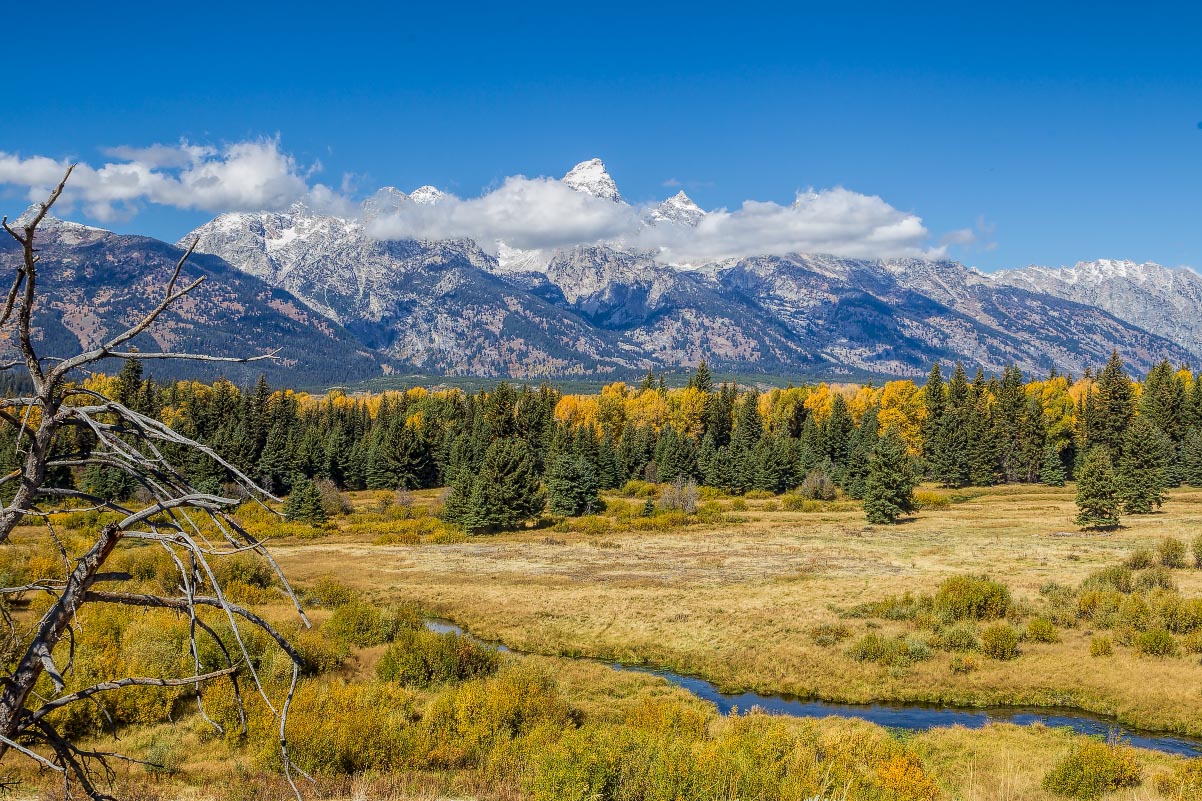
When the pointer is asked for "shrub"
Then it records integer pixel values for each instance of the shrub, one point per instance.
(1184, 783)
(680, 496)
(1100, 606)
(964, 663)
(829, 634)
(962, 637)
(639, 489)
(1061, 603)
(758, 495)
(1118, 578)
(1156, 642)
(1180, 615)
(1155, 578)
(738, 505)
(1192, 642)
(421, 658)
(328, 592)
(1000, 641)
(893, 652)
(1093, 768)
(1134, 613)
(1140, 559)
(1170, 551)
(1197, 549)
(1040, 629)
(360, 624)
(972, 598)
(818, 486)
(1101, 646)
(244, 568)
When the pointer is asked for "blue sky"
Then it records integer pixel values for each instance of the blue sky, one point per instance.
(1058, 134)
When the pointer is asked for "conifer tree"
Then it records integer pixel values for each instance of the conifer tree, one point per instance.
(861, 445)
(950, 457)
(304, 503)
(572, 486)
(503, 495)
(1191, 457)
(1111, 411)
(935, 399)
(1141, 477)
(889, 488)
(1098, 503)
(1051, 472)
(702, 379)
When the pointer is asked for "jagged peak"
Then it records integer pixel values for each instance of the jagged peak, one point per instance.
(427, 195)
(592, 178)
(679, 209)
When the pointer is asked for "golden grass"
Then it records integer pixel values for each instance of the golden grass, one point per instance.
(734, 602)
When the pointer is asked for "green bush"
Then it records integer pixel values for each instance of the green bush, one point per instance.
(1040, 629)
(972, 598)
(1192, 642)
(1000, 641)
(1100, 606)
(1156, 642)
(889, 651)
(964, 663)
(1092, 769)
(1101, 646)
(1170, 552)
(1155, 578)
(1197, 549)
(961, 637)
(1140, 559)
(829, 634)
(1118, 578)
(421, 658)
(1134, 613)
(363, 625)
(328, 592)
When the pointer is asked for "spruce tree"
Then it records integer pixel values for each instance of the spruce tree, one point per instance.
(1141, 476)
(503, 495)
(702, 379)
(1111, 411)
(572, 486)
(949, 462)
(1191, 457)
(304, 503)
(1051, 472)
(1097, 494)
(889, 488)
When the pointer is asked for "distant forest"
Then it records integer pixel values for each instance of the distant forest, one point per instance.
(956, 430)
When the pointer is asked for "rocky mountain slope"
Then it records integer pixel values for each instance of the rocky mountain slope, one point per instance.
(1166, 301)
(94, 283)
(345, 305)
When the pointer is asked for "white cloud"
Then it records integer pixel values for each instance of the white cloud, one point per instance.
(541, 213)
(836, 221)
(526, 213)
(243, 176)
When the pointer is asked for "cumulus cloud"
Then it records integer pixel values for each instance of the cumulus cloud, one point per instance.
(836, 221)
(526, 213)
(532, 214)
(243, 176)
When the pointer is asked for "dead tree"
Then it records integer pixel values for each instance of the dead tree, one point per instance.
(177, 518)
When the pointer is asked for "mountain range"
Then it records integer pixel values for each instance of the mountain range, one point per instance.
(345, 305)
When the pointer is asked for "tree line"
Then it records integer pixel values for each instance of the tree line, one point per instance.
(507, 453)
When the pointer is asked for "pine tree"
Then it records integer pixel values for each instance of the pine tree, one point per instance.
(1141, 474)
(889, 489)
(1097, 494)
(861, 445)
(702, 379)
(935, 400)
(1191, 457)
(1110, 412)
(129, 383)
(1051, 472)
(950, 458)
(571, 486)
(304, 503)
(503, 495)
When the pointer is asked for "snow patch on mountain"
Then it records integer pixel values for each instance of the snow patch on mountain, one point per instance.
(592, 178)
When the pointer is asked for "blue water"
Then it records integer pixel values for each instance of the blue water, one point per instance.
(916, 717)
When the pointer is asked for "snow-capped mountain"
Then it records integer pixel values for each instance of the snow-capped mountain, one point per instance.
(592, 178)
(605, 308)
(678, 209)
(1163, 300)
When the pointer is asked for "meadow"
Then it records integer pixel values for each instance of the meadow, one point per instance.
(765, 593)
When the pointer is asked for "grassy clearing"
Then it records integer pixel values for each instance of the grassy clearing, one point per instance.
(736, 601)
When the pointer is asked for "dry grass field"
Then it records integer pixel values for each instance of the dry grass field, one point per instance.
(736, 602)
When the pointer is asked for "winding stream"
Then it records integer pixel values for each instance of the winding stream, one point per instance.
(918, 717)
